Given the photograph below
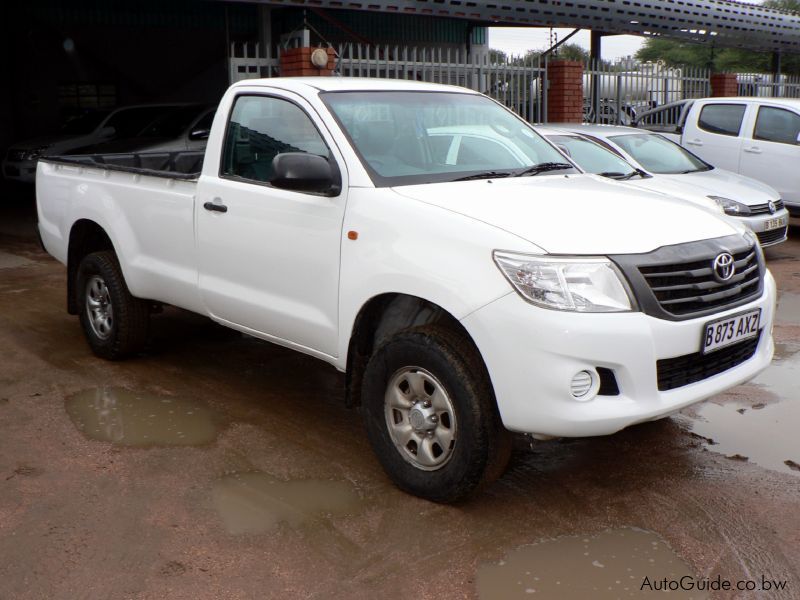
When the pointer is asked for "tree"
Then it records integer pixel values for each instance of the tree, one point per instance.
(675, 53)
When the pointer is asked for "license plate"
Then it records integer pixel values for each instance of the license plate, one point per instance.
(774, 223)
(730, 330)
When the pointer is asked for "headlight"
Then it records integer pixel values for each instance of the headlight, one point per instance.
(575, 284)
(731, 207)
(34, 153)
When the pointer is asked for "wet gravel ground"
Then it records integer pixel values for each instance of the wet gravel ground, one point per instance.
(218, 466)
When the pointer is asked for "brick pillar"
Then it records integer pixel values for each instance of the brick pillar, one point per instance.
(565, 91)
(296, 62)
(724, 84)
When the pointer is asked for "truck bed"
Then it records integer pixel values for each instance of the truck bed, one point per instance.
(184, 165)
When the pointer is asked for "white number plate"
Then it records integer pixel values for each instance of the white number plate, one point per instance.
(725, 332)
(774, 223)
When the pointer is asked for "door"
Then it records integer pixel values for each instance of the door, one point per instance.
(714, 133)
(770, 151)
(269, 258)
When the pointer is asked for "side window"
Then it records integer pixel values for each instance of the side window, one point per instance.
(725, 119)
(260, 128)
(777, 125)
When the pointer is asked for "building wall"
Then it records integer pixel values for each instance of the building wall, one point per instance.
(138, 50)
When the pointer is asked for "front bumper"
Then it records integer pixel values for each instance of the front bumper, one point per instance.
(758, 224)
(532, 354)
(24, 171)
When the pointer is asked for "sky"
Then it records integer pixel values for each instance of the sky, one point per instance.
(518, 40)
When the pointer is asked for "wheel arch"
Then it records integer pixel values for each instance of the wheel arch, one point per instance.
(380, 317)
(85, 236)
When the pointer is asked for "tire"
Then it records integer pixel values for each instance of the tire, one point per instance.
(431, 416)
(114, 322)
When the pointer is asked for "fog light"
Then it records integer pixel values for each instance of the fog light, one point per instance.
(582, 382)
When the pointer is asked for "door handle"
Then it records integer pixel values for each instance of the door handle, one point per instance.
(753, 150)
(216, 206)
(695, 142)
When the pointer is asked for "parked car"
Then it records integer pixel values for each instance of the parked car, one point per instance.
(756, 137)
(744, 199)
(19, 163)
(752, 201)
(176, 128)
(463, 299)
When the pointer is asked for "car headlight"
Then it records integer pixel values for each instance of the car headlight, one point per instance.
(585, 284)
(34, 153)
(731, 207)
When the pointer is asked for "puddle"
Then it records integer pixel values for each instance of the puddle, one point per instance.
(12, 261)
(128, 418)
(788, 308)
(257, 502)
(613, 564)
(764, 433)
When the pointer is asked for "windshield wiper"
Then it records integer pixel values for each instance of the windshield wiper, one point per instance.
(620, 176)
(543, 168)
(484, 175)
(700, 170)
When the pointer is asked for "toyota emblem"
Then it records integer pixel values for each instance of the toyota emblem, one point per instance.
(724, 267)
(772, 208)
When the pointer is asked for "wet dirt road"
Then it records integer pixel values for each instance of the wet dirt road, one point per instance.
(217, 466)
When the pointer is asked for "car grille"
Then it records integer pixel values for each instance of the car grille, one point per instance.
(691, 368)
(770, 237)
(760, 209)
(16, 155)
(688, 287)
(678, 283)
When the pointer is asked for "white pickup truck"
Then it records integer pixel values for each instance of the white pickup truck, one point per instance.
(756, 137)
(464, 296)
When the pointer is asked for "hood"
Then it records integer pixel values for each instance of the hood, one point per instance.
(56, 144)
(676, 188)
(576, 214)
(138, 144)
(718, 182)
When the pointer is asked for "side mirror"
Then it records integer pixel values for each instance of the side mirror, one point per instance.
(303, 172)
(107, 131)
(200, 134)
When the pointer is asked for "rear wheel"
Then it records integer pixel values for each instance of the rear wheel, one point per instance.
(431, 416)
(114, 322)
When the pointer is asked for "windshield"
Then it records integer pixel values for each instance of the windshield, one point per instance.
(129, 122)
(85, 123)
(592, 157)
(405, 138)
(659, 155)
(173, 123)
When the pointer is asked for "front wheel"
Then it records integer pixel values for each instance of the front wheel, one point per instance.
(431, 416)
(114, 322)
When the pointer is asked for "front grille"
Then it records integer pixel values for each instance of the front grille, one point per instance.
(770, 237)
(16, 155)
(688, 287)
(691, 368)
(760, 209)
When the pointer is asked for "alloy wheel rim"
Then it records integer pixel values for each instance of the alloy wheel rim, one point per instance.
(99, 309)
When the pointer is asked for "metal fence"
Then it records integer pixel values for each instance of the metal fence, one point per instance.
(768, 85)
(515, 81)
(247, 61)
(614, 93)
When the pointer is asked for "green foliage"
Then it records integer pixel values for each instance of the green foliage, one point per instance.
(572, 52)
(675, 53)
